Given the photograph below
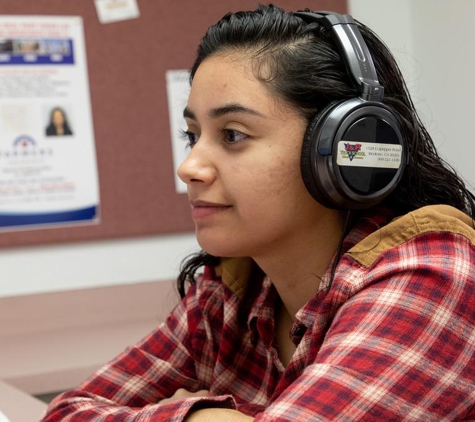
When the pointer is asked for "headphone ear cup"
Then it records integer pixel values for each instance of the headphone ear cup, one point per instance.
(330, 172)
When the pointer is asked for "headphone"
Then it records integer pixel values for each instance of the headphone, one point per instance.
(354, 151)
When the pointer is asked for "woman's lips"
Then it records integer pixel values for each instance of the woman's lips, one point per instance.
(201, 209)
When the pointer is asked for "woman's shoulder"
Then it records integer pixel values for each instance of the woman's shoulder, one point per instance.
(426, 224)
(427, 253)
(438, 218)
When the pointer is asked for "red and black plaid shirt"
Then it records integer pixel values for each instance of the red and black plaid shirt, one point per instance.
(393, 339)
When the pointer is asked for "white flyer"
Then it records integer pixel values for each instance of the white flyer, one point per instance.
(110, 11)
(48, 169)
(178, 90)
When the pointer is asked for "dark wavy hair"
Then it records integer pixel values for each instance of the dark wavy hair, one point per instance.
(302, 66)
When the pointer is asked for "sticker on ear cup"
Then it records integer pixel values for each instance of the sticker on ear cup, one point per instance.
(369, 154)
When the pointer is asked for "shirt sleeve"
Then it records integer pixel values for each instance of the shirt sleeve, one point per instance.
(400, 346)
(129, 387)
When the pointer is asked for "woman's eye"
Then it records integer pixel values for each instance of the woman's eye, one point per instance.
(230, 137)
(190, 137)
(233, 136)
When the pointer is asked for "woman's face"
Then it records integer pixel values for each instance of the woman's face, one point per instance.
(58, 118)
(243, 170)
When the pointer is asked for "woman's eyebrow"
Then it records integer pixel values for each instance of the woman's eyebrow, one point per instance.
(232, 108)
(187, 113)
(221, 111)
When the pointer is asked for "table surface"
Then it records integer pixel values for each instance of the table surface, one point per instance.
(18, 406)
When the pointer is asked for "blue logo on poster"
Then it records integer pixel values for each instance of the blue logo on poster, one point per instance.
(24, 141)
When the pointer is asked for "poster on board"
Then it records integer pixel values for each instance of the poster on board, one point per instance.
(178, 90)
(48, 168)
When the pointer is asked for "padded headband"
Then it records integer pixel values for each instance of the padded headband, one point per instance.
(354, 50)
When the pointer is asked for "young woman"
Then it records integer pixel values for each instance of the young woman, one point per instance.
(58, 125)
(329, 288)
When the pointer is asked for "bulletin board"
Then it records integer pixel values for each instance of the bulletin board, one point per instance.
(127, 62)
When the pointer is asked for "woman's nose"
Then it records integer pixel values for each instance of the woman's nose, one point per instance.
(198, 166)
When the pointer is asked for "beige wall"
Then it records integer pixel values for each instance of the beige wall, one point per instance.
(432, 41)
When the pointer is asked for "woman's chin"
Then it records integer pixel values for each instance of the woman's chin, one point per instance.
(219, 246)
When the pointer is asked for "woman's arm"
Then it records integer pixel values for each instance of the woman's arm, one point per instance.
(133, 384)
(207, 415)
(217, 415)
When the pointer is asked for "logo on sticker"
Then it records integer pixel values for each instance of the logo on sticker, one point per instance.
(352, 150)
